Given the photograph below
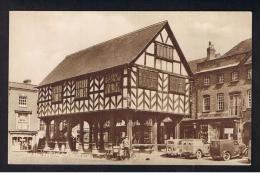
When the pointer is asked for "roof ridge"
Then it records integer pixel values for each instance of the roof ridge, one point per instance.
(21, 83)
(118, 37)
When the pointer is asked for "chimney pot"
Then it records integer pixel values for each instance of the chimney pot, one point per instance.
(210, 51)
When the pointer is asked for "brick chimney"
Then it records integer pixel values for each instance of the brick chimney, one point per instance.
(211, 52)
(27, 81)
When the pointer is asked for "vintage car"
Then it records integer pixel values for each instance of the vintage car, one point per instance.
(173, 147)
(226, 149)
(194, 148)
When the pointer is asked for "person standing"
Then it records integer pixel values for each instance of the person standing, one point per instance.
(126, 146)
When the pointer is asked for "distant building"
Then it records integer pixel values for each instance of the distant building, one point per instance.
(23, 122)
(221, 95)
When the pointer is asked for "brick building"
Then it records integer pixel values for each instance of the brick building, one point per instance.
(221, 95)
(23, 122)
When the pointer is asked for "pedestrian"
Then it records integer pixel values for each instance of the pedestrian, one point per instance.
(126, 146)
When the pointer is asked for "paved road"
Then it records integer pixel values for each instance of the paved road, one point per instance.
(141, 159)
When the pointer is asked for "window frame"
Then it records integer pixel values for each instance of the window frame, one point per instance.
(220, 76)
(144, 86)
(59, 91)
(119, 82)
(177, 91)
(232, 76)
(204, 103)
(169, 49)
(206, 82)
(85, 88)
(220, 103)
(22, 101)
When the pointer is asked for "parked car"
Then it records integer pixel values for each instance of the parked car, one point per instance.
(173, 147)
(249, 151)
(194, 148)
(226, 149)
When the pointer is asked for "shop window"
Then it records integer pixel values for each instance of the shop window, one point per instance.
(113, 83)
(164, 51)
(81, 88)
(22, 101)
(206, 80)
(249, 98)
(220, 78)
(147, 79)
(176, 84)
(22, 121)
(220, 101)
(234, 76)
(56, 93)
(22, 143)
(206, 103)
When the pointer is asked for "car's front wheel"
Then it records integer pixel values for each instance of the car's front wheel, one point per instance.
(198, 154)
(226, 156)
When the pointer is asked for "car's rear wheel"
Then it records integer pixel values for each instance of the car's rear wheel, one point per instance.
(226, 156)
(198, 154)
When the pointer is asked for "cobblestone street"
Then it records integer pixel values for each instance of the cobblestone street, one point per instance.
(141, 159)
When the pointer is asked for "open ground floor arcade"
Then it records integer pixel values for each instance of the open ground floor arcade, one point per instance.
(101, 130)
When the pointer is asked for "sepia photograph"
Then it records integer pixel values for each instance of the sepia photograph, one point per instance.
(130, 88)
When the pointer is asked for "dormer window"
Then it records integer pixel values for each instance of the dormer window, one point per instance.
(206, 80)
(56, 93)
(234, 76)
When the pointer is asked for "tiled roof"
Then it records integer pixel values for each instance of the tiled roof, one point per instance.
(118, 51)
(237, 53)
(22, 86)
(193, 64)
(242, 47)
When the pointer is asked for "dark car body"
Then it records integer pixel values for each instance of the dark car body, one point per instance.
(226, 149)
(194, 148)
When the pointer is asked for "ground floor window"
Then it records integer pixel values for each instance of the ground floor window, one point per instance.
(21, 143)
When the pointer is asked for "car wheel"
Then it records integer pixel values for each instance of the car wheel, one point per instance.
(226, 156)
(198, 154)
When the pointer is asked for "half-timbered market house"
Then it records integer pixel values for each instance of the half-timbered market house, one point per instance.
(135, 85)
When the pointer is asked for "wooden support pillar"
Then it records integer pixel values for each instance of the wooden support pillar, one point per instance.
(56, 129)
(90, 134)
(142, 128)
(96, 133)
(47, 135)
(177, 130)
(101, 136)
(154, 133)
(81, 133)
(112, 130)
(129, 128)
(68, 141)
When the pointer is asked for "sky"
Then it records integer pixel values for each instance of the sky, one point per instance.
(39, 41)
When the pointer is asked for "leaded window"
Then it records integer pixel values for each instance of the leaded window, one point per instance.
(176, 84)
(56, 93)
(206, 80)
(81, 88)
(147, 79)
(164, 51)
(113, 83)
(234, 76)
